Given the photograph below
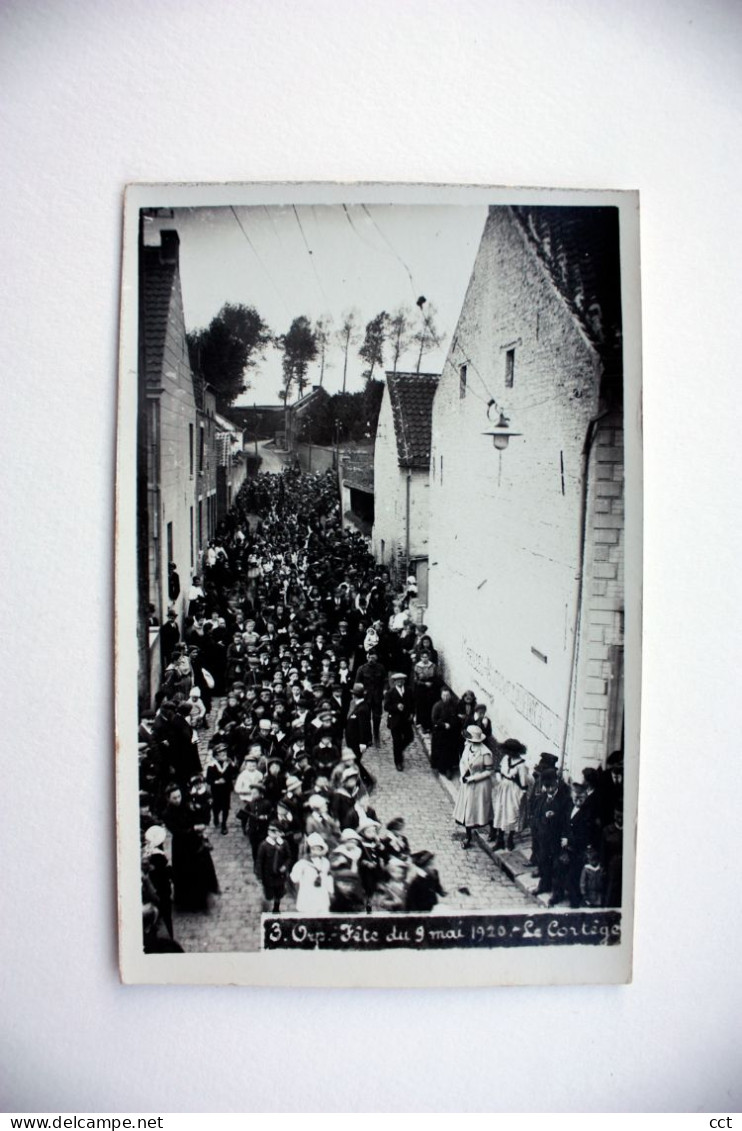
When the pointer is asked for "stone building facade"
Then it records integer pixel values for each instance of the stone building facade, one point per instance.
(176, 453)
(526, 544)
(402, 474)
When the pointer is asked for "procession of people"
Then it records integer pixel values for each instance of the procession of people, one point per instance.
(293, 649)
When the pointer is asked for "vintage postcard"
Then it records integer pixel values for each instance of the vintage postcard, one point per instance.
(378, 565)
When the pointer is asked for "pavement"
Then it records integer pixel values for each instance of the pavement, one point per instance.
(514, 864)
(475, 880)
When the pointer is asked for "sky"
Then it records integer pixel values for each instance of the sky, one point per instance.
(326, 260)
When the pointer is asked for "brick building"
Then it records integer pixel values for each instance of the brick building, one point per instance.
(526, 544)
(176, 452)
(402, 473)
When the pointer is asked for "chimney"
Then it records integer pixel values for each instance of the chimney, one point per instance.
(169, 246)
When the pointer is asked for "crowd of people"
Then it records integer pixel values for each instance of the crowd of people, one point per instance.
(293, 648)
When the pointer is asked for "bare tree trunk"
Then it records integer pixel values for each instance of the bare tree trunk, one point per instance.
(345, 363)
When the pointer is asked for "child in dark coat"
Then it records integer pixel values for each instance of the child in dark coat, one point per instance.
(272, 866)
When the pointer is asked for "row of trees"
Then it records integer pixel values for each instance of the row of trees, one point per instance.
(224, 353)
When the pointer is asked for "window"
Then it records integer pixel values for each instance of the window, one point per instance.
(509, 368)
(190, 448)
(462, 382)
(170, 552)
(200, 523)
(193, 555)
(201, 450)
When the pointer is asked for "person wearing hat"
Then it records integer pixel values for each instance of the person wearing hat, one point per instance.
(509, 801)
(611, 855)
(325, 753)
(345, 801)
(549, 813)
(272, 865)
(393, 840)
(194, 876)
(318, 820)
(311, 875)
(391, 893)
(249, 776)
(444, 741)
(169, 637)
(610, 786)
(573, 843)
(220, 775)
(473, 807)
(424, 885)
(370, 865)
(358, 732)
(348, 896)
(158, 870)
(372, 675)
(197, 712)
(399, 706)
(425, 690)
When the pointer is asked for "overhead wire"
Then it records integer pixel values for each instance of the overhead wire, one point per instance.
(391, 247)
(259, 259)
(310, 254)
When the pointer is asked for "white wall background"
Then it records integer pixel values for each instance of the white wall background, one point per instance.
(523, 92)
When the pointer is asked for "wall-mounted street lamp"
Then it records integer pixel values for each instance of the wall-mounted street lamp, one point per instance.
(502, 431)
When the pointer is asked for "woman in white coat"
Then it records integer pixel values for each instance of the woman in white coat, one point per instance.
(474, 804)
(311, 875)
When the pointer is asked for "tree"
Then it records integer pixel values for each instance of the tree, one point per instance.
(230, 345)
(372, 350)
(347, 335)
(400, 334)
(299, 347)
(427, 336)
(322, 328)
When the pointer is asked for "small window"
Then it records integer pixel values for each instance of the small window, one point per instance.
(462, 382)
(193, 556)
(170, 551)
(509, 368)
(190, 448)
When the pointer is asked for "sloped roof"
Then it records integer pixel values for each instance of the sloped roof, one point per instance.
(357, 470)
(411, 396)
(159, 278)
(579, 247)
(317, 394)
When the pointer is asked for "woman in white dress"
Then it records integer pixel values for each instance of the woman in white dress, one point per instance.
(474, 803)
(510, 794)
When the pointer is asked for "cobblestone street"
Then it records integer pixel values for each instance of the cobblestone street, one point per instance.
(471, 880)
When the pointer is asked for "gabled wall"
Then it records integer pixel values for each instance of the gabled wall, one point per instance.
(171, 414)
(505, 527)
(390, 497)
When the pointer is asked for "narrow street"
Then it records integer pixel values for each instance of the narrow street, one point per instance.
(470, 879)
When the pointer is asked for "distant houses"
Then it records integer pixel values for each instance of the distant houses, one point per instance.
(402, 475)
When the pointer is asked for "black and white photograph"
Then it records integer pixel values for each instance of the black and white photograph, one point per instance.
(378, 585)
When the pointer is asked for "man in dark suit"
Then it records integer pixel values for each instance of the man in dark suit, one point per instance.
(399, 705)
(372, 675)
(576, 836)
(358, 734)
